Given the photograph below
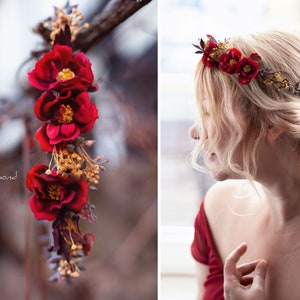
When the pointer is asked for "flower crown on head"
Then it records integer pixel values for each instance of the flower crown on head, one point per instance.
(216, 54)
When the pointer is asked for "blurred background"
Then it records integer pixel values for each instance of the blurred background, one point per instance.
(181, 189)
(123, 260)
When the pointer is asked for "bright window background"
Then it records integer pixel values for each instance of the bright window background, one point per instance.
(181, 23)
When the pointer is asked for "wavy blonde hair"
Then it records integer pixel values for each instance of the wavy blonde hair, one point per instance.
(248, 111)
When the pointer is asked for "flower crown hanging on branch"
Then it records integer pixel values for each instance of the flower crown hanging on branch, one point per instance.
(60, 190)
(216, 54)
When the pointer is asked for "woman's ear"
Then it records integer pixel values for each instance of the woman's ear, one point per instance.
(273, 134)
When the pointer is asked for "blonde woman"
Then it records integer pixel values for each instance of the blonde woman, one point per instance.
(247, 231)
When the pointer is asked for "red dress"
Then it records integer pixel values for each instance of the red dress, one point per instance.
(204, 251)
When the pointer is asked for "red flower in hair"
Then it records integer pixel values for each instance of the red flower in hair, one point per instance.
(52, 193)
(248, 69)
(207, 58)
(229, 62)
(59, 65)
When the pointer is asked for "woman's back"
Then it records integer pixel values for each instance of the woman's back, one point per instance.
(236, 213)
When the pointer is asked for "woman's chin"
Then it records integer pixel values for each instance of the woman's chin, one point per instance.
(220, 175)
(216, 171)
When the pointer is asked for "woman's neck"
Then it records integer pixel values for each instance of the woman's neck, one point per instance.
(282, 195)
(279, 175)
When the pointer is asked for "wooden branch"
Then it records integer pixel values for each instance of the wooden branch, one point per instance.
(113, 14)
(116, 12)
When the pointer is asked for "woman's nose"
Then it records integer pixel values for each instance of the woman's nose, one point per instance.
(194, 132)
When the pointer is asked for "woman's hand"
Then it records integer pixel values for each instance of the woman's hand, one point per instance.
(246, 281)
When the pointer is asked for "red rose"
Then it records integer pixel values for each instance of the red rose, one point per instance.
(229, 62)
(69, 112)
(67, 105)
(51, 134)
(248, 69)
(61, 132)
(52, 193)
(59, 65)
(207, 60)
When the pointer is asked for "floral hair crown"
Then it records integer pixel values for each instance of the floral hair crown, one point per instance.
(216, 54)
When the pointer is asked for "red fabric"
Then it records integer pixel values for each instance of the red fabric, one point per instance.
(204, 251)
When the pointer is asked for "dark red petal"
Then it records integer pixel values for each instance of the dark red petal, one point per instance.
(40, 209)
(43, 139)
(88, 243)
(255, 57)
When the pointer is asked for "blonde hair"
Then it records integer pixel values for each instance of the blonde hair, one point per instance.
(249, 110)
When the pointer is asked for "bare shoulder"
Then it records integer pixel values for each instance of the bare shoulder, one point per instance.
(232, 210)
(216, 196)
(220, 197)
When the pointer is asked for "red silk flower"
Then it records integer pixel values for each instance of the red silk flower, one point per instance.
(229, 62)
(51, 134)
(69, 112)
(52, 193)
(248, 69)
(59, 65)
(206, 58)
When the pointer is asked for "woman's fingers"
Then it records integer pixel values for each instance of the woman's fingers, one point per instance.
(236, 253)
(245, 271)
(247, 268)
(233, 258)
(231, 268)
(259, 275)
(246, 281)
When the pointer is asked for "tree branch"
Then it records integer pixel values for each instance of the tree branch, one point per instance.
(113, 14)
(116, 12)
